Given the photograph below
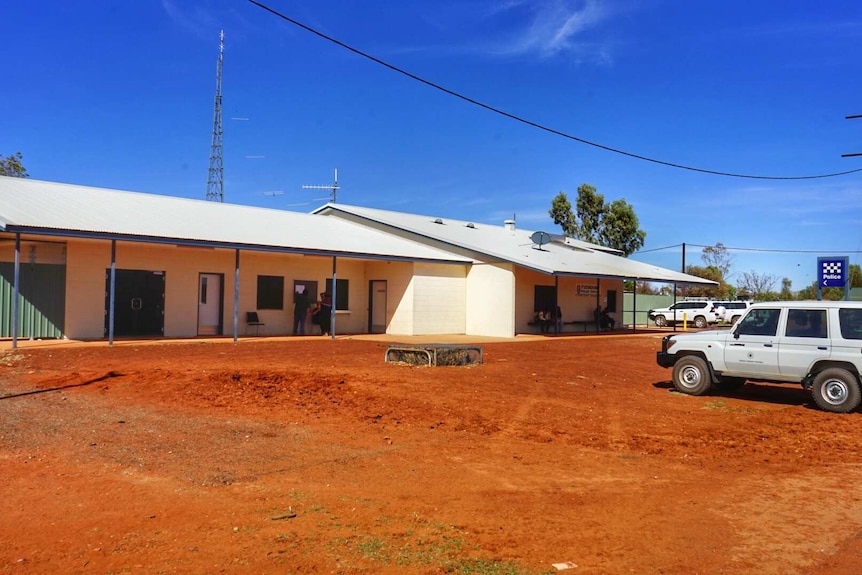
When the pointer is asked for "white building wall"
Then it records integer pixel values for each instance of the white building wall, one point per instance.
(491, 300)
(576, 296)
(86, 265)
(439, 299)
(88, 260)
(399, 294)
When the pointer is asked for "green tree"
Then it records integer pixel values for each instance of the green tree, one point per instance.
(710, 273)
(12, 166)
(759, 285)
(786, 291)
(561, 213)
(717, 256)
(614, 225)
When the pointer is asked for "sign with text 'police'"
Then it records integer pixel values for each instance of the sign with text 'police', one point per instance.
(832, 272)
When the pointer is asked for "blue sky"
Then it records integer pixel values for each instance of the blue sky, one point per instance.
(120, 94)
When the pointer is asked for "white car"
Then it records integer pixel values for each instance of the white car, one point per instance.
(731, 311)
(815, 343)
(698, 313)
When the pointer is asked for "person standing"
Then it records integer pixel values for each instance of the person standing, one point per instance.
(300, 310)
(325, 313)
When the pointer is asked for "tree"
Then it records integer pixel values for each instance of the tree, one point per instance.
(717, 256)
(786, 291)
(760, 286)
(710, 273)
(561, 213)
(12, 166)
(614, 225)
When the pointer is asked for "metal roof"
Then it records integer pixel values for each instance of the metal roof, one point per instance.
(563, 257)
(66, 210)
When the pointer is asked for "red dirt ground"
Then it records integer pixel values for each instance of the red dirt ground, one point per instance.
(316, 456)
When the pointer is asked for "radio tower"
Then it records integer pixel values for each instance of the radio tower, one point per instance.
(215, 181)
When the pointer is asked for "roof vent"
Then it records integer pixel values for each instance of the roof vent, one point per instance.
(438, 221)
(471, 225)
(509, 225)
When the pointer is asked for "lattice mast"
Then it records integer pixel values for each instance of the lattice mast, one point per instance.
(215, 181)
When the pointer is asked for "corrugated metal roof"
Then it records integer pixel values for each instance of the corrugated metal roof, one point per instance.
(569, 257)
(79, 211)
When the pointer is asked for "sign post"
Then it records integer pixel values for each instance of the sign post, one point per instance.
(833, 272)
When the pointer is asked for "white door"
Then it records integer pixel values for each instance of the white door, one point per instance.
(378, 306)
(209, 304)
(753, 347)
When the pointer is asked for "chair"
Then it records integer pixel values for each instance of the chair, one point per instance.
(252, 320)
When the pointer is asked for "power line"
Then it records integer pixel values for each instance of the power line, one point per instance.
(535, 124)
(757, 250)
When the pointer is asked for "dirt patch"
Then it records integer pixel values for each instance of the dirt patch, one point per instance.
(317, 456)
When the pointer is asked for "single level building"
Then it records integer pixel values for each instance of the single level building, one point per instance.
(90, 263)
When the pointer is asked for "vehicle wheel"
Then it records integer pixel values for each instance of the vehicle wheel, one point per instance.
(836, 390)
(691, 375)
(730, 383)
(660, 321)
(700, 322)
(734, 319)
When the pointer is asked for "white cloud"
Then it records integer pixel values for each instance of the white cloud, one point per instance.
(554, 27)
(197, 18)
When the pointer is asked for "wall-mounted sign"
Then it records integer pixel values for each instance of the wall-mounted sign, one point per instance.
(587, 290)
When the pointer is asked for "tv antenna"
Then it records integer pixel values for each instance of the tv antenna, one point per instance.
(333, 188)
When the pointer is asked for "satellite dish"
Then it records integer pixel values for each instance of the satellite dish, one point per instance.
(540, 238)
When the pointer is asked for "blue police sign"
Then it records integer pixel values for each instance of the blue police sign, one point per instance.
(832, 272)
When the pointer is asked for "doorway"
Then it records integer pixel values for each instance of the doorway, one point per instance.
(139, 302)
(377, 306)
(210, 304)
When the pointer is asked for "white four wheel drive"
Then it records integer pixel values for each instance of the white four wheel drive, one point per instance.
(698, 313)
(815, 343)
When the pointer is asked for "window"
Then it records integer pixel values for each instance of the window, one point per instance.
(851, 323)
(342, 293)
(544, 298)
(270, 292)
(806, 323)
(612, 300)
(759, 322)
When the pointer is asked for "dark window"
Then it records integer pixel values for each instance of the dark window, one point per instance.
(544, 298)
(612, 300)
(270, 292)
(806, 323)
(759, 322)
(851, 323)
(342, 293)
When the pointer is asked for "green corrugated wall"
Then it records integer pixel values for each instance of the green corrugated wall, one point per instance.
(41, 301)
(644, 303)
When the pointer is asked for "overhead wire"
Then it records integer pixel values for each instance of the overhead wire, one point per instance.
(536, 124)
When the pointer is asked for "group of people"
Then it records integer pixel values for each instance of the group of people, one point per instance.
(546, 319)
(319, 311)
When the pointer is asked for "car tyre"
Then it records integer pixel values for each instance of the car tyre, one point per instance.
(734, 319)
(700, 322)
(836, 390)
(691, 375)
(660, 321)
